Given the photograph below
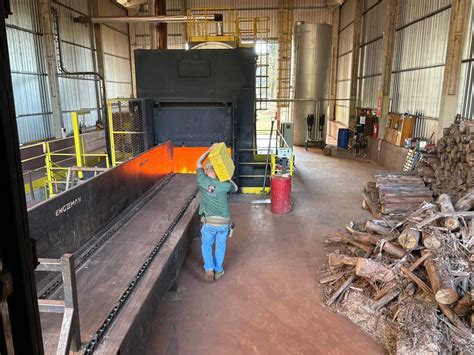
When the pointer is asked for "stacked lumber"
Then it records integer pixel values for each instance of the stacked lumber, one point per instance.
(416, 273)
(451, 170)
(394, 193)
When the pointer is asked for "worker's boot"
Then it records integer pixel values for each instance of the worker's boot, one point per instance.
(209, 275)
(218, 275)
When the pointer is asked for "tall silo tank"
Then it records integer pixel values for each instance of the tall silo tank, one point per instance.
(310, 75)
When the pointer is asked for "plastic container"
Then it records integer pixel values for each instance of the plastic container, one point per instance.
(343, 135)
(222, 162)
(280, 193)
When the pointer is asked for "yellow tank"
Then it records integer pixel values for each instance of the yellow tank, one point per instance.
(222, 162)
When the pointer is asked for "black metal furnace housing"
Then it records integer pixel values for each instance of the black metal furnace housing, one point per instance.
(203, 96)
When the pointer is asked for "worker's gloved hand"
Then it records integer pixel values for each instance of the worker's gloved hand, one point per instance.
(231, 230)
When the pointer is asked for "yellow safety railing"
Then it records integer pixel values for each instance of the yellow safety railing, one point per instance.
(253, 29)
(125, 126)
(213, 25)
(55, 173)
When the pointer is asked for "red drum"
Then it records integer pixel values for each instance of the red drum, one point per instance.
(280, 194)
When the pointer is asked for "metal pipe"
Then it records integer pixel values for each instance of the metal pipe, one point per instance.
(301, 100)
(82, 73)
(268, 155)
(143, 19)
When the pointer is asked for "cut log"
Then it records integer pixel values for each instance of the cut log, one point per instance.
(405, 193)
(463, 305)
(469, 214)
(441, 283)
(373, 270)
(409, 237)
(408, 200)
(357, 244)
(430, 239)
(391, 208)
(466, 202)
(374, 239)
(446, 205)
(345, 285)
(341, 259)
(395, 284)
(377, 228)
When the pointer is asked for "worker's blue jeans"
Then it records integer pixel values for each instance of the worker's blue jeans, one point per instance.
(209, 235)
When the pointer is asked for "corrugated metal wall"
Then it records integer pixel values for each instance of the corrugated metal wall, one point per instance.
(419, 57)
(466, 92)
(421, 40)
(115, 38)
(29, 76)
(344, 61)
(371, 50)
(78, 52)
(418, 68)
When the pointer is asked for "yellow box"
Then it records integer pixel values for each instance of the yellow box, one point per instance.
(222, 162)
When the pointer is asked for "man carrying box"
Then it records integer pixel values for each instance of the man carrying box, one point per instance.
(215, 216)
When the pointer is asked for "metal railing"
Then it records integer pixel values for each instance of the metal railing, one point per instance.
(55, 173)
(126, 129)
(213, 24)
(70, 334)
(223, 24)
(60, 164)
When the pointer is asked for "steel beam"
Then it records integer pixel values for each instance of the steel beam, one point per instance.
(154, 19)
(51, 66)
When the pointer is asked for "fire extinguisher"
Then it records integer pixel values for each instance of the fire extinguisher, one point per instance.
(375, 134)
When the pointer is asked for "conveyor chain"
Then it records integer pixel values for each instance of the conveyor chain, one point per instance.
(99, 334)
(109, 233)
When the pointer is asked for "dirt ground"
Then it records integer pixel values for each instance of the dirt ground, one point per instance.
(269, 301)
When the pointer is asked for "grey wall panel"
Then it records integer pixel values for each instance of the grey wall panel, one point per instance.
(347, 13)
(30, 84)
(31, 90)
(418, 91)
(412, 10)
(373, 21)
(78, 52)
(368, 92)
(419, 57)
(371, 58)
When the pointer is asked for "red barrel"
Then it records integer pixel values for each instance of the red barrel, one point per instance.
(280, 194)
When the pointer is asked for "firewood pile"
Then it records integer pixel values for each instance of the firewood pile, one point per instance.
(394, 193)
(410, 284)
(451, 169)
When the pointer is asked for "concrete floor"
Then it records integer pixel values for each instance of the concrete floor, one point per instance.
(269, 301)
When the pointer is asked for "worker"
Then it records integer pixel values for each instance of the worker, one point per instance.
(215, 216)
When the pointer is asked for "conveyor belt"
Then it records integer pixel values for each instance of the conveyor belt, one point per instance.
(108, 273)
